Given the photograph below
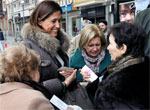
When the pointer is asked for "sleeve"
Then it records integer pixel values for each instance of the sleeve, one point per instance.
(54, 86)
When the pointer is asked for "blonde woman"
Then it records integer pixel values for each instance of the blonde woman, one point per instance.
(19, 77)
(91, 52)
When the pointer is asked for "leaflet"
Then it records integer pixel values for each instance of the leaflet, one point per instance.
(89, 71)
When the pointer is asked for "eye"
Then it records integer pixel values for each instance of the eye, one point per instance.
(98, 45)
(91, 45)
(53, 21)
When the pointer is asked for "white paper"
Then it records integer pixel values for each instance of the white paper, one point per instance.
(58, 103)
(89, 71)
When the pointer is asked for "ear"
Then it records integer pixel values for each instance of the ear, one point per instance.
(40, 23)
(123, 49)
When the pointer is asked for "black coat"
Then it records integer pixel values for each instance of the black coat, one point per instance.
(1, 35)
(48, 46)
(125, 89)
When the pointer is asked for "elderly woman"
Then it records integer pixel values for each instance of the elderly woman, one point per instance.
(43, 33)
(126, 83)
(19, 77)
(91, 52)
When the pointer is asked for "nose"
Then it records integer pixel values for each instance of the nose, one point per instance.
(57, 24)
(129, 17)
(95, 48)
(108, 47)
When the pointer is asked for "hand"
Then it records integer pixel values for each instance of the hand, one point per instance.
(71, 78)
(66, 73)
(85, 75)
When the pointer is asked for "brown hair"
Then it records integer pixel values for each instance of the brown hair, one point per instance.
(16, 63)
(42, 11)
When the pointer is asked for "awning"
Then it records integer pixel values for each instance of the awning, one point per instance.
(79, 3)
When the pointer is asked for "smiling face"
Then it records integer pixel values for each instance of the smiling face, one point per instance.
(113, 50)
(102, 26)
(52, 23)
(93, 48)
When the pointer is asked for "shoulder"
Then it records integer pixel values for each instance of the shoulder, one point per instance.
(77, 58)
(77, 55)
(37, 101)
(20, 96)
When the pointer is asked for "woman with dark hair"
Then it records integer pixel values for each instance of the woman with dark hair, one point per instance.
(44, 34)
(125, 85)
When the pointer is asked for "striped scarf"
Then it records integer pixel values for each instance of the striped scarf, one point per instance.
(93, 63)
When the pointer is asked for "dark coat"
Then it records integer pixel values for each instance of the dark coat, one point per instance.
(126, 89)
(143, 19)
(48, 46)
(1, 35)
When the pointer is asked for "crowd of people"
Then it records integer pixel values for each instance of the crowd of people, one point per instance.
(31, 71)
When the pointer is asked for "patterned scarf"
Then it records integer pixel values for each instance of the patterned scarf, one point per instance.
(123, 62)
(93, 63)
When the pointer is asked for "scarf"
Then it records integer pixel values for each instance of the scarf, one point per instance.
(123, 62)
(39, 87)
(93, 63)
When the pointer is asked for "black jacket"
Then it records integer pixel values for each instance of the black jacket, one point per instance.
(48, 46)
(1, 35)
(125, 89)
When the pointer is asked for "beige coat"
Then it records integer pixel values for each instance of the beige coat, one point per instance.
(19, 96)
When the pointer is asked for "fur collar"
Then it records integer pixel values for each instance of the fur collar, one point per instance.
(45, 40)
(130, 83)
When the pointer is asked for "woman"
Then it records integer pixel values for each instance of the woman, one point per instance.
(126, 83)
(91, 52)
(43, 34)
(19, 78)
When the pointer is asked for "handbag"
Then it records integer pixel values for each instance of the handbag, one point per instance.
(78, 96)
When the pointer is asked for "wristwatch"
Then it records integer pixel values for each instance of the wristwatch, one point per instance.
(64, 84)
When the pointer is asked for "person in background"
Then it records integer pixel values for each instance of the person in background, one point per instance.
(143, 19)
(91, 52)
(103, 26)
(1, 35)
(43, 33)
(125, 85)
(19, 77)
(127, 12)
(75, 41)
(1, 40)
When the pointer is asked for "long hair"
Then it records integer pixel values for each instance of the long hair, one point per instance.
(42, 11)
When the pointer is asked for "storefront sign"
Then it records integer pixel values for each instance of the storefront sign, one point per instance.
(63, 2)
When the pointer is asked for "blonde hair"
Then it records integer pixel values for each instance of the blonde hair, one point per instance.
(88, 33)
(16, 63)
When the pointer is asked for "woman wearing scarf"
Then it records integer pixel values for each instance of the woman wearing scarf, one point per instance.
(125, 85)
(91, 52)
